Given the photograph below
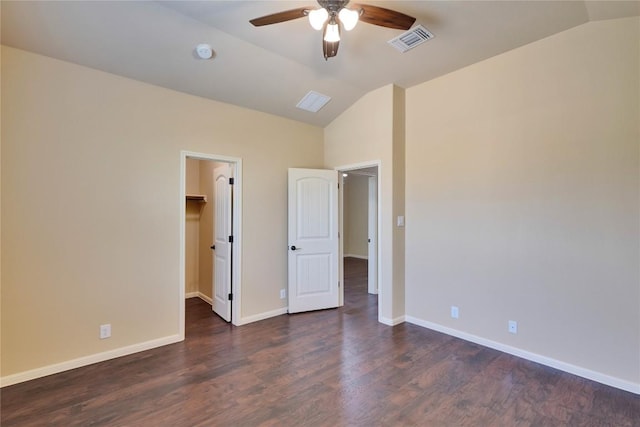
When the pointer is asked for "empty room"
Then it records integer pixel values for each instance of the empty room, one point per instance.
(421, 213)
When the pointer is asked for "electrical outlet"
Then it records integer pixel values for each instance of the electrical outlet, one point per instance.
(105, 331)
(454, 312)
(513, 326)
(283, 293)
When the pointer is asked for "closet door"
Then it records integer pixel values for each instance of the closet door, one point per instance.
(223, 241)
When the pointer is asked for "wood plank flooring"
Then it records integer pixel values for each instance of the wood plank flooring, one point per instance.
(334, 367)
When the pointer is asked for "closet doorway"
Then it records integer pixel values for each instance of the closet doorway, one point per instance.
(210, 232)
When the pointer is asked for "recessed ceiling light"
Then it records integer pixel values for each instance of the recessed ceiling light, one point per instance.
(204, 51)
(313, 101)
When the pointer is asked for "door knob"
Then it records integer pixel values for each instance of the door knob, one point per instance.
(213, 246)
(293, 248)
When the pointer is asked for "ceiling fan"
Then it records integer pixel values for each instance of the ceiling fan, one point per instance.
(332, 13)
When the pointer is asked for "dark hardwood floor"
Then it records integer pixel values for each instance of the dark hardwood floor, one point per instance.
(332, 367)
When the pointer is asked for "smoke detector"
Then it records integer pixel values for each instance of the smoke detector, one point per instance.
(204, 51)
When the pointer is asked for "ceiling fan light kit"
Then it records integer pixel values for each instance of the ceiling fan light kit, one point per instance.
(349, 18)
(332, 32)
(317, 18)
(332, 13)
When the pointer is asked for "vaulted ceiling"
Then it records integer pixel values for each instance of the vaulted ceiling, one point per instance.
(271, 68)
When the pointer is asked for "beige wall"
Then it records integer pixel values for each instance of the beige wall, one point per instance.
(192, 228)
(356, 219)
(199, 227)
(522, 199)
(399, 170)
(192, 176)
(192, 244)
(205, 254)
(365, 133)
(90, 205)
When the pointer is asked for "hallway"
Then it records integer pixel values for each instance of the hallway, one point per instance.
(356, 298)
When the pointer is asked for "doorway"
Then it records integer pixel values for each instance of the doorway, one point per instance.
(210, 199)
(359, 226)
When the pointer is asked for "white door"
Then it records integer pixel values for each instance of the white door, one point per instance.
(221, 236)
(373, 235)
(313, 239)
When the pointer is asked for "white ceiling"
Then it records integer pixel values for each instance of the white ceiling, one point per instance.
(271, 68)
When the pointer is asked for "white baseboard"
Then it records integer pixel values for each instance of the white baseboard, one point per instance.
(200, 295)
(543, 360)
(392, 322)
(262, 316)
(205, 298)
(86, 360)
(355, 256)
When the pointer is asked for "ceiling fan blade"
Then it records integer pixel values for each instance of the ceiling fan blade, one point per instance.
(384, 17)
(275, 18)
(330, 49)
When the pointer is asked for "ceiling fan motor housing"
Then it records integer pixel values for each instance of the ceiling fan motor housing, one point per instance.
(333, 6)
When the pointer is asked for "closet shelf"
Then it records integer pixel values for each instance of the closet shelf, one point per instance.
(197, 198)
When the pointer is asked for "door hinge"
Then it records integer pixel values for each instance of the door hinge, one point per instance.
(230, 239)
(338, 283)
(232, 181)
(230, 297)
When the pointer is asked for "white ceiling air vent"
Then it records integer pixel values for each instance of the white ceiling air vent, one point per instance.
(412, 38)
(313, 101)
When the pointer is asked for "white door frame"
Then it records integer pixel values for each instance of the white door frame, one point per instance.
(236, 277)
(347, 168)
(372, 233)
